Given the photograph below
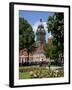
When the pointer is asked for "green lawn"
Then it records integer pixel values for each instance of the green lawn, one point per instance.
(24, 75)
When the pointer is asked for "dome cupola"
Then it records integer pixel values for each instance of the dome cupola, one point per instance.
(50, 36)
(40, 29)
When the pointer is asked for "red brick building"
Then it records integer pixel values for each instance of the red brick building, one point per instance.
(38, 54)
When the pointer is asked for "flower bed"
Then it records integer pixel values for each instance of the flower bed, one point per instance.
(41, 72)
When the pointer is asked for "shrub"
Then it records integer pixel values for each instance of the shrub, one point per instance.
(46, 74)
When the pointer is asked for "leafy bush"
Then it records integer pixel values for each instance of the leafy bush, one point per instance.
(29, 68)
(47, 74)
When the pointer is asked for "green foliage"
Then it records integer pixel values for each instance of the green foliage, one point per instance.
(26, 34)
(47, 73)
(50, 50)
(56, 27)
(30, 68)
(24, 75)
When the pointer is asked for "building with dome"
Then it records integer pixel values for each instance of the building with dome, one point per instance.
(38, 53)
(40, 37)
(40, 41)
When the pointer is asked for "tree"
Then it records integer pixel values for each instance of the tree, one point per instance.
(49, 51)
(56, 27)
(26, 35)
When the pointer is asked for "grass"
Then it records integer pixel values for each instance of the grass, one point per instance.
(24, 75)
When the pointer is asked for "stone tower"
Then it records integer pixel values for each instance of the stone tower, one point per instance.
(40, 37)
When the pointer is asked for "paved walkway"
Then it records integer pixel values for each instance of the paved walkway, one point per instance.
(55, 67)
